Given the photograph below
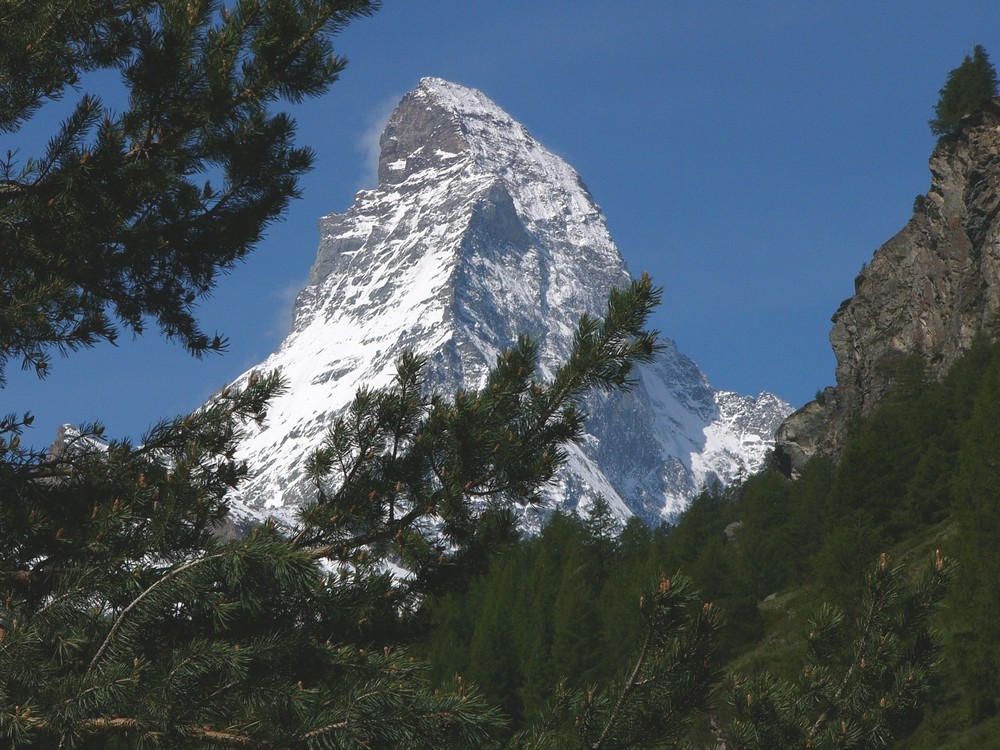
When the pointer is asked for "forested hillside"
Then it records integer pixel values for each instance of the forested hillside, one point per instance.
(135, 614)
(920, 473)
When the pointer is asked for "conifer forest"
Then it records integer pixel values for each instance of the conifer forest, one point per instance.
(854, 606)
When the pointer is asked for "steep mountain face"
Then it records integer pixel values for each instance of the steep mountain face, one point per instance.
(476, 233)
(927, 292)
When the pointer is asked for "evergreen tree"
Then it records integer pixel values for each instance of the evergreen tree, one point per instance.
(969, 88)
(131, 212)
(602, 531)
(978, 515)
(126, 613)
(657, 700)
(864, 677)
(126, 616)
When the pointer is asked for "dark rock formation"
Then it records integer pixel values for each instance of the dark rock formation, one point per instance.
(926, 293)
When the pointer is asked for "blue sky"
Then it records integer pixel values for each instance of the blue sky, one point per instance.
(750, 156)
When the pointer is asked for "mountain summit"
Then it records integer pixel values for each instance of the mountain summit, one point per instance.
(476, 233)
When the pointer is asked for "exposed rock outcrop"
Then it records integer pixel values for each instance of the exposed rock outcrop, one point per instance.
(926, 292)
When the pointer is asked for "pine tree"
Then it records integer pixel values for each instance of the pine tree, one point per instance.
(978, 515)
(968, 89)
(863, 680)
(864, 677)
(657, 700)
(124, 610)
(130, 214)
(127, 616)
(126, 613)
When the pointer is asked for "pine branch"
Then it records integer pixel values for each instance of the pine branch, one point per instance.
(116, 724)
(869, 619)
(626, 691)
(173, 573)
(880, 680)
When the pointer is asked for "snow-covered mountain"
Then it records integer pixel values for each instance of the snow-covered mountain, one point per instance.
(477, 233)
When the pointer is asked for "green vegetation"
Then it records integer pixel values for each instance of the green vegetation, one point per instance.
(969, 88)
(919, 472)
(563, 604)
(128, 620)
(126, 616)
(917, 476)
(130, 214)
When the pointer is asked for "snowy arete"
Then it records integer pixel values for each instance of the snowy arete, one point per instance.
(476, 233)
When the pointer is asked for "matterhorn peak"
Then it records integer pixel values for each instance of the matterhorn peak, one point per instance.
(439, 121)
(477, 233)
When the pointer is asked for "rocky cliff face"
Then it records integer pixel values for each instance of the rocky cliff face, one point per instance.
(926, 292)
(475, 234)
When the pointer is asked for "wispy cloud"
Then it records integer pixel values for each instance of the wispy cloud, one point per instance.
(284, 298)
(368, 143)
